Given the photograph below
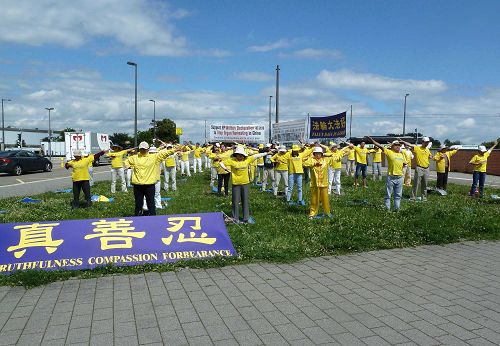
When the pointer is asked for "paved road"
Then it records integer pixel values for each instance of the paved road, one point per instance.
(428, 295)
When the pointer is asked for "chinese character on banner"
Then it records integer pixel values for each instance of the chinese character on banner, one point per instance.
(337, 123)
(176, 224)
(315, 125)
(114, 234)
(35, 235)
(323, 126)
(330, 125)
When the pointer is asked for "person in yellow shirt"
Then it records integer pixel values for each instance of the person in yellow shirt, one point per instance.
(169, 170)
(237, 165)
(394, 183)
(480, 161)
(376, 163)
(223, 175)
(336, 166)
(361, 162)
(260, 166)
(117, 166)
(443, 165)
(295, 171)
(145, 167)
(318, 164)
(350, 166)
(421, 176)
(268, 167)
(197, 151)
(407, 171)
(280, 169)
(207, 149)
(157, 196)
(185, 151)
(81, 176)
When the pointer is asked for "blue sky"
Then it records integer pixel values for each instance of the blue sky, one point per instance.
(215, 61)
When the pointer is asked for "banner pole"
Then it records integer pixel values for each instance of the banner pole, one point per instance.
(350, 125)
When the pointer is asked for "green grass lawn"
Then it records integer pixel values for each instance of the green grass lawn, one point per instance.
(283, 232)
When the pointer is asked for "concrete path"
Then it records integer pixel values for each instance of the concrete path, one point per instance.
(428, 295)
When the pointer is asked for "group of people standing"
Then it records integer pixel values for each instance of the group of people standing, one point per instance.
(316, 164)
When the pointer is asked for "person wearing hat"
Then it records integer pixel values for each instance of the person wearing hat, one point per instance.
(157, 195)
(268, 167)
(361, 163)
(318, 164)
(260, 166)
(394, 182)
(237, 165)
(145, 174)
(376, 163)
(296, 170)
(169, 170)
(81, 176)
(480, 161)
(336, 167)
(280, 160)
(443, 165)
(421, 176)
(116, 156)
(407, 169)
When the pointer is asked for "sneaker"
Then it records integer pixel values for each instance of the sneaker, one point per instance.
(302, 202)
(329, 215)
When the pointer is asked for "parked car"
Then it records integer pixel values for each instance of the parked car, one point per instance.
(19, 161)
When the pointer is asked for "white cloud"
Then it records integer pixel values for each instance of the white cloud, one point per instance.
(43, 94)
(313, 53)
(255, 76)
(215, 52)
(282, 43)
(145, 26)
(467, 123)
(382, 87)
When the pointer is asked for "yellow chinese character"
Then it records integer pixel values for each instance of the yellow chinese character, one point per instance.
(330, 125)
(35, 235)
(315, 125)
(115, 231)
(322, 125)
(202, 239)
(342, 122)
(176, 223)
(337, 124)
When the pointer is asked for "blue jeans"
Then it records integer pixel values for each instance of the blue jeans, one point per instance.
(394, 184)
(478, 177)
(297, 179)
(360, 167)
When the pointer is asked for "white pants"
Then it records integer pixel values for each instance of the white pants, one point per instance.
(350, 167)
(208, 162)
(213, 176)
(129, 177)
(268, 172)
(336, 179)
(197, 165)
(169, 174)
(121, 175)
(185, 168)
(91, 173)
(157, 197)
(259, 173)
(330, 179)
(278, 175)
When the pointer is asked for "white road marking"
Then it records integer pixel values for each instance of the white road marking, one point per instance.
(50, 179)
(19, 180)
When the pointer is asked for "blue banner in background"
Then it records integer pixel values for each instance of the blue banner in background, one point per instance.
(332, 126)
(84, 244)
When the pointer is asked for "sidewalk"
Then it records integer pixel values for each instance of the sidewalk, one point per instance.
(427, 295)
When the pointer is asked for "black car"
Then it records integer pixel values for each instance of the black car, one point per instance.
(19, 161)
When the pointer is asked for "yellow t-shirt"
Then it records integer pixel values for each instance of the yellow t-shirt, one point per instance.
(480, 162)
(222, 156)
(117, 158)
(350, 155)
(197, 153)
(81, 168)
(281, 160)
(361, 154)
(170, 161)
(145, 168)
(319, 174)
(377, 155)
(396, 162)
(185, 154)
(422, 156)
(441, 161)
(336, 162)
(407, 154)
(239, 170)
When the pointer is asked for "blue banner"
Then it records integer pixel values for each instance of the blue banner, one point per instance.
(332, 126)
(84, 244)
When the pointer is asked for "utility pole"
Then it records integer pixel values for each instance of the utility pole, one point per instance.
(404, 115)
(131, 63)
(205, 131)
(3, 125)
(350, 125)
(277, 93)
(270, 114)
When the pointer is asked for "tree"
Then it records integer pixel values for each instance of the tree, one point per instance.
(165, 130)
(490, 143)
(121, 138)
(449, 143)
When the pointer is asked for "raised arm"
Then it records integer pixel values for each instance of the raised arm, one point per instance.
(374, 142)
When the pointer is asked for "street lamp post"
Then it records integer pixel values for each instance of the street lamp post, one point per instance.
(270, 101)
(3, 125)
(154, 119)
(50, 134)
(404, 115)
(135, 117)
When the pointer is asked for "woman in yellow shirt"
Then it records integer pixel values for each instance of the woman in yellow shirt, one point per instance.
(237, 165)
(443, 165)
(376, 163)
(480, 160)
(81, 176)
(117, 166)
(336, 167)
(280, 169)
(319, 182)
(295, 171)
